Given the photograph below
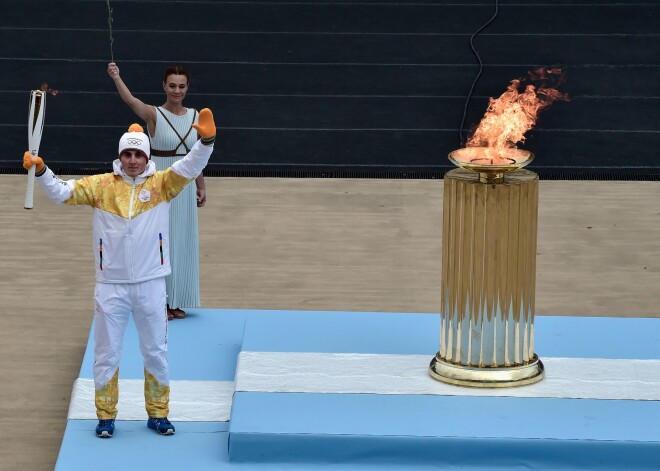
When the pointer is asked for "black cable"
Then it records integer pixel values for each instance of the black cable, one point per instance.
(481, 68)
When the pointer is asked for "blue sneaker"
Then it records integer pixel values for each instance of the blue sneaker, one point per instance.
(105, 428)
(161, 425)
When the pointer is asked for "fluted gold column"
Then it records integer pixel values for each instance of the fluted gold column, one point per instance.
(488, 280)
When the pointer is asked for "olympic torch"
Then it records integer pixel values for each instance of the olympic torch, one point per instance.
(36, 115)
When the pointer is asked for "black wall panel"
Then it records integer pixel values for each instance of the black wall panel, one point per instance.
(374, 86)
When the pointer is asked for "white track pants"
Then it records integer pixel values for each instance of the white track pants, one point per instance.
(114, 303)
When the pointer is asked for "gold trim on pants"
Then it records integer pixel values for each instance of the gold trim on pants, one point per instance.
(156, 397)
(106, 398)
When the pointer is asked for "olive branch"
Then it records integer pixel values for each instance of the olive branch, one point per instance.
(112, 39)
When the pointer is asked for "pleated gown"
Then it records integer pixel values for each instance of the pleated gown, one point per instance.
(183, 284)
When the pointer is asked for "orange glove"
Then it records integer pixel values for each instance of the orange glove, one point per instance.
(29, 161)
(206, 126)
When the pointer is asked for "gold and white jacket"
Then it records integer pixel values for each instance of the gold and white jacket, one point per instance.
(131, 215)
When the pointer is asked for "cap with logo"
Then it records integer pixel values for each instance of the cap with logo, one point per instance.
(135, 139)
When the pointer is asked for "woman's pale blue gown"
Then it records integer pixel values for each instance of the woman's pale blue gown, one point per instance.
(183, 284)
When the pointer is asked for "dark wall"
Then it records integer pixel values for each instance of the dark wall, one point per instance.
(374, 85)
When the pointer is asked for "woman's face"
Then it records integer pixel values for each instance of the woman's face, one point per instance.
(175, 88)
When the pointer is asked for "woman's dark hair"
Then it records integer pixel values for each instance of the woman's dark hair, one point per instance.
(176, 70)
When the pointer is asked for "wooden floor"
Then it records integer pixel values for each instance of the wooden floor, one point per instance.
(356, 245)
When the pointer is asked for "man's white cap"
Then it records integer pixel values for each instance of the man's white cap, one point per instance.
(136, 139)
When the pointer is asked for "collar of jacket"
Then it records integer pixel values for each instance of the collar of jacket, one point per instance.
(149, 170)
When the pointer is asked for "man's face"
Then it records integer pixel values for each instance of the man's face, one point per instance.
(133, 162)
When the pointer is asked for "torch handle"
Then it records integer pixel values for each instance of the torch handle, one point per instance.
(29, 193)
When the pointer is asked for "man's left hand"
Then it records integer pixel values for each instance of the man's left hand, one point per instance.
(206, 125)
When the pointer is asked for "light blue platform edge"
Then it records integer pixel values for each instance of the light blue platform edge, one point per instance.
(205, 346)
(446, 431)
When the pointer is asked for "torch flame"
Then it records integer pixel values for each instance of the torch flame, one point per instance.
(44, 88)
(510, 116)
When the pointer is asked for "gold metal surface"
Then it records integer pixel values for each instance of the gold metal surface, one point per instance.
(488, 281)
(491, 163)
(498, 377)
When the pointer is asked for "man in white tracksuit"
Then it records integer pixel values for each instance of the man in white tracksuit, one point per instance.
(130, 228)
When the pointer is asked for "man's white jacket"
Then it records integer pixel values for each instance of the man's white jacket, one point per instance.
(131, 215)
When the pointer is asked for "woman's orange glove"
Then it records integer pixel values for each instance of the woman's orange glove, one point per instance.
(29, 161)
(206, 126)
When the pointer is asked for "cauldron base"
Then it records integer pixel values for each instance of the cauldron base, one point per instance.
(487, 377)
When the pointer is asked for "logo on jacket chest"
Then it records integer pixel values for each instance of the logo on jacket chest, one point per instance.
(144, 195)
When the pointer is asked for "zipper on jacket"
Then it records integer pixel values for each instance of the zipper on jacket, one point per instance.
(130, 230)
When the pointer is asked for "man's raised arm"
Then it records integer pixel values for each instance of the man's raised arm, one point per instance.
(56, 189)
(195, 161)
